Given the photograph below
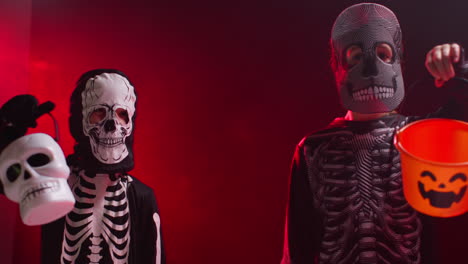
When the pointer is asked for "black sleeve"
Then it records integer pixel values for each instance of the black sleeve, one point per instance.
(157, 241)
(302, 228)
(147, 246)
(51, 241)
(457, 105)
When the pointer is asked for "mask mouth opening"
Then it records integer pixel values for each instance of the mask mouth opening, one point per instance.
(373, 92)
(42, 188)
(109, 142)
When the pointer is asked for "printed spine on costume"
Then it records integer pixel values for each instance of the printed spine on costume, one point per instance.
(98, 228)
(346, 199)
(356, 180)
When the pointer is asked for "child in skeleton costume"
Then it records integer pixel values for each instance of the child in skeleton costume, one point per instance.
(115, 218)
(346, 202)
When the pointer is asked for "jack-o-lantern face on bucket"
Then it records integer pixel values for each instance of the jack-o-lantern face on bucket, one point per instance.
(442, 193)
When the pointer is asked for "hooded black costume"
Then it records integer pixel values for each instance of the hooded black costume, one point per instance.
(115, 218)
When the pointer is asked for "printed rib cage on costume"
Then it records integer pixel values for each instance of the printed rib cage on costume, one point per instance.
(101, 215)
(356, 181)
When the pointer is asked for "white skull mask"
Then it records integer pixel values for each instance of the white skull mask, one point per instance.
(34, 174)
(108, 108)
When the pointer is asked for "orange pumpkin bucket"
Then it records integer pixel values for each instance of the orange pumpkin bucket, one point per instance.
(434, 165)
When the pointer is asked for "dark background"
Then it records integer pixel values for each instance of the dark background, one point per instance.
(226, 90)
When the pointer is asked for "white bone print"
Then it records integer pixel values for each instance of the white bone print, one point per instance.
(101, 216)
(157, 221)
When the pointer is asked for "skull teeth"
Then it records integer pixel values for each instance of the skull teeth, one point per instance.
(33, 192)
(110, 142)
(373, 93)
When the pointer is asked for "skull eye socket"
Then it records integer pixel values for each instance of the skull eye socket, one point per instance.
(97, 115)
(13, 172)
(38, 160)
(384, 52)
(354, 55)
(122, 115)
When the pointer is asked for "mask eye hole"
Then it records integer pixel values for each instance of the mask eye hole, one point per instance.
(97, 115)
(384, 52)
(353, 55)
(38, 160)
(122, 115)
(13, 172)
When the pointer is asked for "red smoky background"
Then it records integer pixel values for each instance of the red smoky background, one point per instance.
(226, 90)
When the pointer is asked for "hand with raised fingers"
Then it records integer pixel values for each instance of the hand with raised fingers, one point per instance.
(440, 62)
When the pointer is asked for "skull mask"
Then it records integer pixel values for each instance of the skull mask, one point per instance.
(34, 174)
(371, 86)
(108, 107)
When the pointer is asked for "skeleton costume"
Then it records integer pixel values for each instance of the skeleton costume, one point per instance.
(346, 202)
(115, 218)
